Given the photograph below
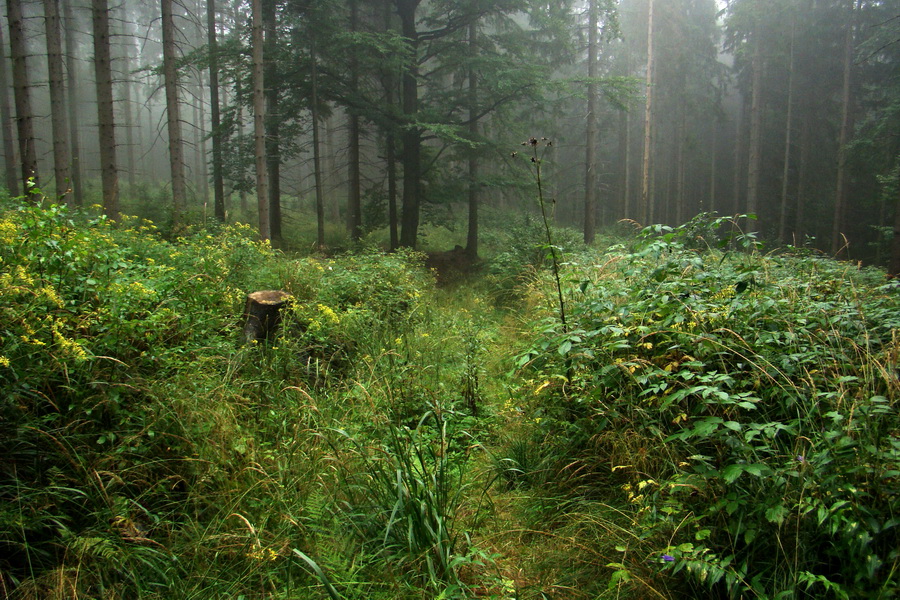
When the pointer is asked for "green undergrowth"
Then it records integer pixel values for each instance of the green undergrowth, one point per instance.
(147, 451)
(710, 422)
(739, 408)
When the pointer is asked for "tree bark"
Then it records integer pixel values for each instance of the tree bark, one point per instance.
(71, 81)
(57, 101)
(173, 115)
(740, 163)
(259, 121)
(894, 267)
(22, 94)
(788, 131)
(390, 143)
(755, 150)
(354, 204)
(802, 183)
(262, 314)
(411, 136)
(215, 116)
(273, 117)
(713, 167)
(472, 232)
(646, 210)
(9, 153)
(590, 158)
(317, 158)
(105, 117)
(204, 152)
(125, 60)
(681, 211)
(840, 194)
(624, 165)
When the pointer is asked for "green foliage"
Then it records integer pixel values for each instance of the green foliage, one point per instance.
(745, 405)
(711, 421)
(520, 254)
(405, 493)
(136, 426)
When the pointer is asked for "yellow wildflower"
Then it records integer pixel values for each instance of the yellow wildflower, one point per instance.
(50, 294)
(263, 554)
(23, 277)
(8, 232)
(329, 314)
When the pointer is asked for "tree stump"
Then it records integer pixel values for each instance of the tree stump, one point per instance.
(262, 314)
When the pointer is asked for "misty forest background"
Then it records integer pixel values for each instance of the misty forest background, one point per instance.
(581, 299)
(389, 116)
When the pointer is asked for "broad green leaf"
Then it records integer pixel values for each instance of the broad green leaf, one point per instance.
(732, 472)
(776, 514)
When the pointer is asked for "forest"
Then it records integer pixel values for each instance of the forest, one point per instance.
(325, 123)
(580, 299)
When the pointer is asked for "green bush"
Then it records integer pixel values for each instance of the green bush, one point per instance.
(745, 405)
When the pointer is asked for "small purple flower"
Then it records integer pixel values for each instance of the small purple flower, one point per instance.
(668, 558)
(801, 458)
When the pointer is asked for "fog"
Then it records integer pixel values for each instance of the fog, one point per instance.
(784, 109)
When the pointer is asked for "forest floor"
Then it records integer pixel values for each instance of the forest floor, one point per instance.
(703, 420)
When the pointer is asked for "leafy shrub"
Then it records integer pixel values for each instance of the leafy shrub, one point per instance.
(522, 253)
(93, 462)
(746, 405)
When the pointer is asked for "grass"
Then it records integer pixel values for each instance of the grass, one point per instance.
(712, 421)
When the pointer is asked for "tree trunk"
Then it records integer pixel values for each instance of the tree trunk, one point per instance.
(788, 130)
(105, 117)
(713, 167)
(130, 127)
(125, 60)
(173, 115)
(802, 176)
(204, 152)
(317, 158)
(57, 101)
(354, 204)
(9, 153)
(590, 157)
(259, 121)
(412, 135)
(894, 267)
(624, 165)
(71, 81)
(681, 211)
(755, 156)
(215, 117)
(273, 117)
(840, 195)
(646, 210)
(390, 143)
(328, 162)
(262, 314)
(22, 94)
(472, 232)
(739, 157)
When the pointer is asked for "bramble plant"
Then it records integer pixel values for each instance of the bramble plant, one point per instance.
(746, 406)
